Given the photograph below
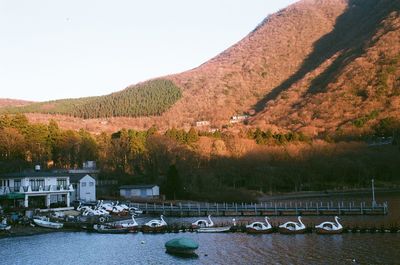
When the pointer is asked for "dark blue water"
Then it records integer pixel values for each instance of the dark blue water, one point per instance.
(238, 248)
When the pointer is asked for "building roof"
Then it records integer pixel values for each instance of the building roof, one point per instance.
(77, 177)
(25, 174)
(137, 186)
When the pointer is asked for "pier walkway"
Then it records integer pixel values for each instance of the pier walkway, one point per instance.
(264, 208)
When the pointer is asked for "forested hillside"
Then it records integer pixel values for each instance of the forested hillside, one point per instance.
(210, 166)
(146, 99)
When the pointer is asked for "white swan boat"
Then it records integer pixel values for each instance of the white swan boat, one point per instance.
(203, 223)
(4, 226)
(131, 226)
(259, 227)
(292, 227)
(155, 225)
(45, 222)
(329, 227)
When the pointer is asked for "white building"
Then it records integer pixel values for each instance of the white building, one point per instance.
(202, 123)
(238, 118)
(39, 189)
(139, 191)
(84, 186)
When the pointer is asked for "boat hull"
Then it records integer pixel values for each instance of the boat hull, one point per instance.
(322, 231)
(110, 230)
(214, 229)
(251, 230)
(151, 229)
(291, 232)
(173, 250)
(47, 224)
(5, 227)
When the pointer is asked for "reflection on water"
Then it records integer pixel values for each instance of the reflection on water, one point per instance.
(231, 248)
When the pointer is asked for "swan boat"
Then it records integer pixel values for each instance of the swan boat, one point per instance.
(45, 222)
(329, 227)
(185, 246)
(4, 226)
(292, 227)
(259, 227)
(203, 223)
(155, 225)
(131, 226)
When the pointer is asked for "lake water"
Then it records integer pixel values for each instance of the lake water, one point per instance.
(232, 248)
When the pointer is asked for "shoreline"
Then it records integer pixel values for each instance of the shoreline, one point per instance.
(20, 231)
(314, 194)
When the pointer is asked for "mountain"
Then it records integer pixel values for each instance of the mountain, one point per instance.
(317, 66)
(7, 102)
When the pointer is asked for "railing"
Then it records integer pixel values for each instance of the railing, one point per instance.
(28, 189)
(264, 208)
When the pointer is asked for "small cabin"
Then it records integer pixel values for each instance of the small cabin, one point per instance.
(202, 123)
(238, 118)
(139, 191)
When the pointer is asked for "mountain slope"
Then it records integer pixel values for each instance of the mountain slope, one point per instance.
(358, 77)
(241, 76)
(7, 102)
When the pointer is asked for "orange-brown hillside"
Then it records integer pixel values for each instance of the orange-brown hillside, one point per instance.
(7, 102)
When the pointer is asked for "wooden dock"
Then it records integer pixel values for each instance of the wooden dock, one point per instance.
(262, 209)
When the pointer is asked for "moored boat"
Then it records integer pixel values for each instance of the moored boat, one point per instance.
(203, 223)
(155, 226)
(131, 226)
(4, 226)
(46, 223)
(185, 246)
(292, 227)
(214, 229)
(104, 229)
(329, 227)
(259, 227)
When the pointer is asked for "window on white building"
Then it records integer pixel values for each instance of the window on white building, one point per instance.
(83, 184)
(91, 184)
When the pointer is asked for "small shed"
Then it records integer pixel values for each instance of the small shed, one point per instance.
(139, 191)
(84, 187)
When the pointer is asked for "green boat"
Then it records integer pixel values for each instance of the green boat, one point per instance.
(181, 246)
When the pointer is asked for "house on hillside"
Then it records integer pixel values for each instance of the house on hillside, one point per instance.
(140, 191)
(37, 189)
(238, 118)
(202, 123)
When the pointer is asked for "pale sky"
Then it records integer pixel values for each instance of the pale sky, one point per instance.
(52, 49)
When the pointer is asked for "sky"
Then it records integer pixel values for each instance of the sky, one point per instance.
(52, 49)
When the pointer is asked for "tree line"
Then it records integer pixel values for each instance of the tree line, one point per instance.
(176, 160)
(150, 98)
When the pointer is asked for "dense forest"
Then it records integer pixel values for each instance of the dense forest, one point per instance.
(150, 98)
(202, 165)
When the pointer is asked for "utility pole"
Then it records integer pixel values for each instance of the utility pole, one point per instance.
(373, 194)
